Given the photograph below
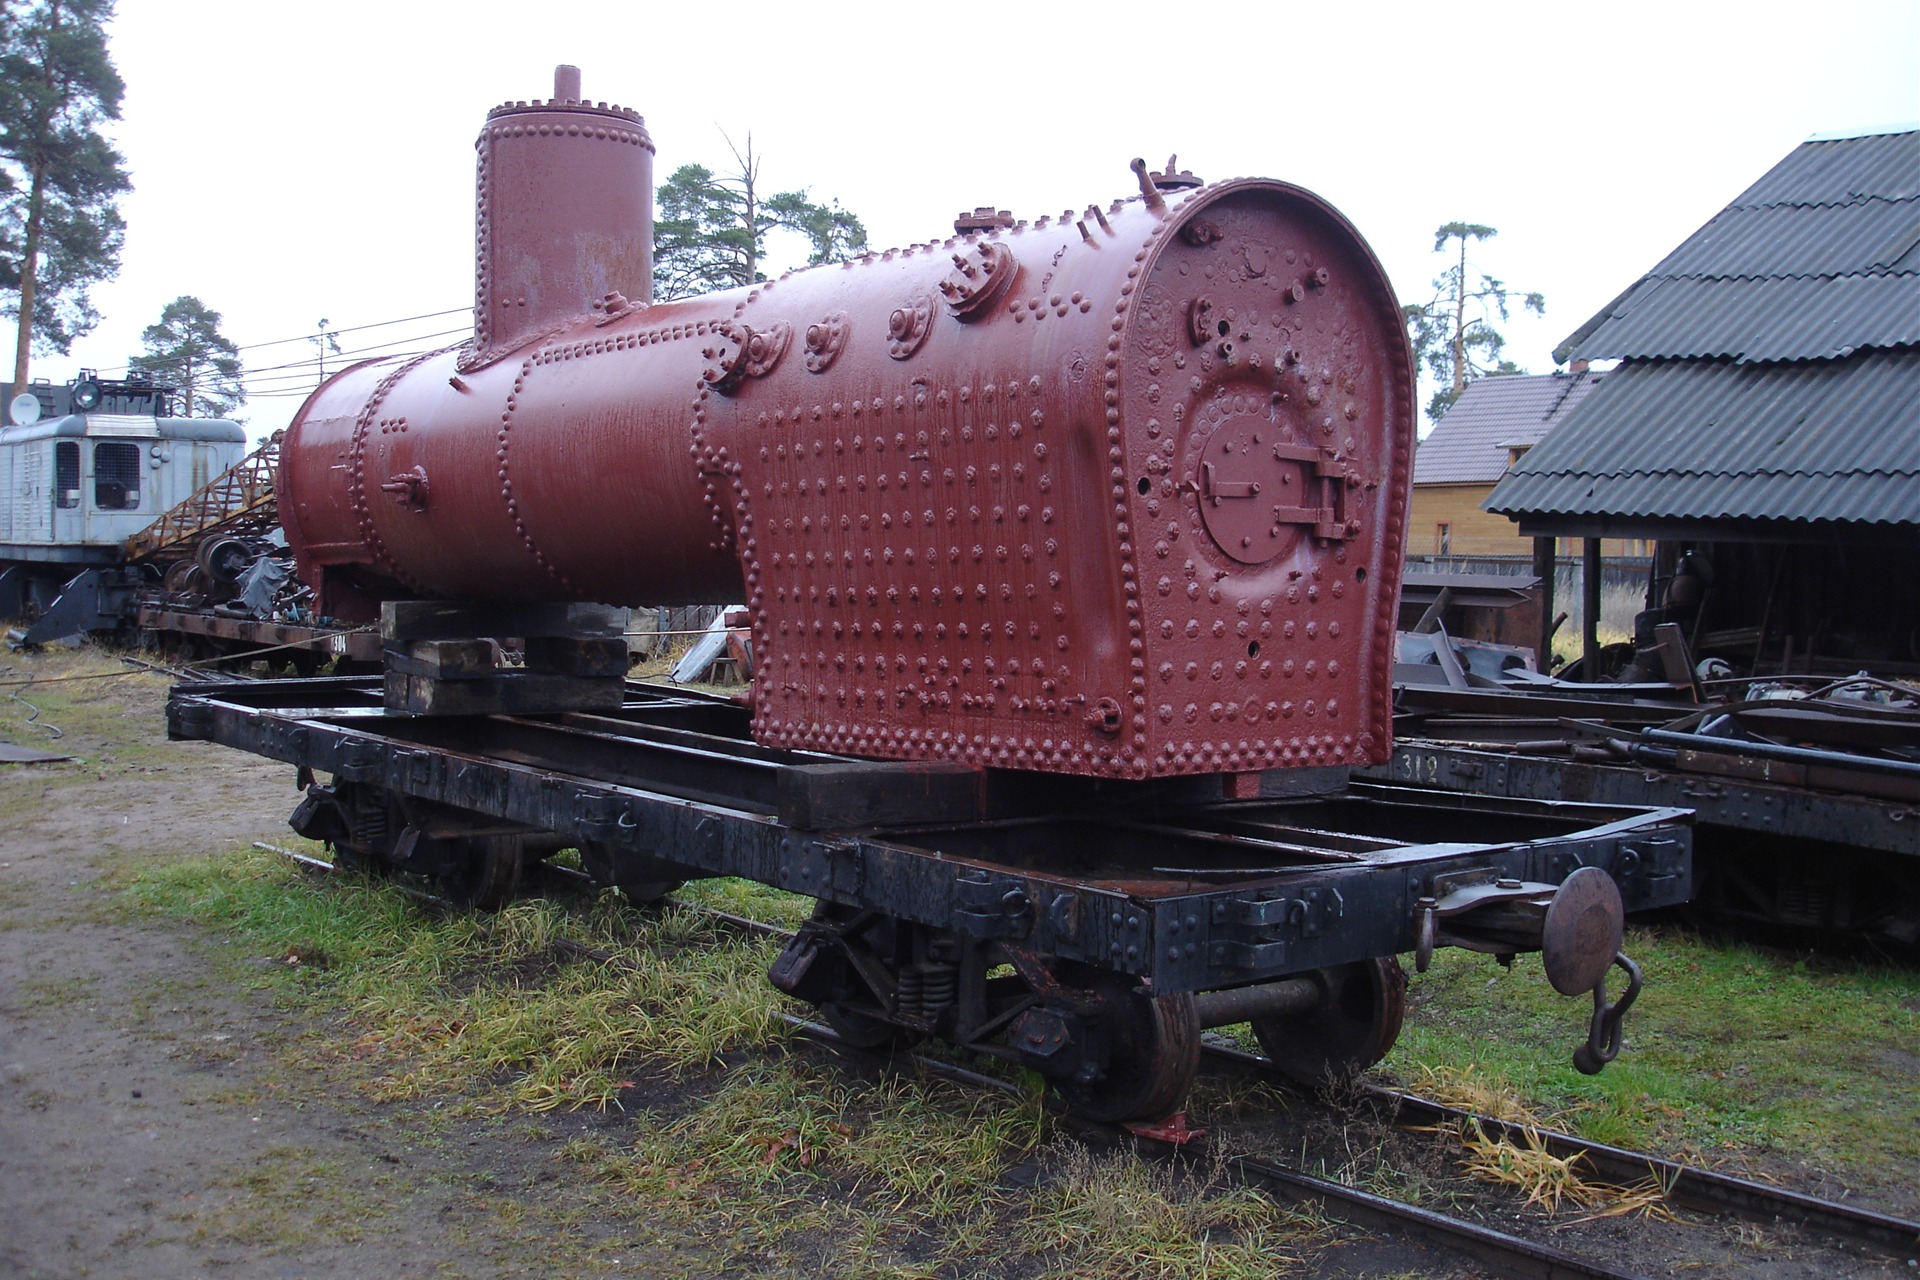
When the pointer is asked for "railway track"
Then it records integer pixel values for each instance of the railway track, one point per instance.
(1687, 1187)
(1506, 1255)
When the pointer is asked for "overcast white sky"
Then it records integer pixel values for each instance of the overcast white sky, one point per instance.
(298, 162)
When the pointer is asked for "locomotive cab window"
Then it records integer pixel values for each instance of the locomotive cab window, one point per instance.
(116, 476)
(66, 473)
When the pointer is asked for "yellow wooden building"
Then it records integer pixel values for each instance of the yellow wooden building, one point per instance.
(1492, 425)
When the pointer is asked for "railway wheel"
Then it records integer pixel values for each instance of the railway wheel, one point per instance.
(179, 578)
(641, 876)
(1348, 1032)
(484, 871)
(375, 864)
(1153, 1054)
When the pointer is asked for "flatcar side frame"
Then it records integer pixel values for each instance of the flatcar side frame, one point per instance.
(911, 840)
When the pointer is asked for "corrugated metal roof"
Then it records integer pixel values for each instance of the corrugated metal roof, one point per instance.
(1469, 444)
(1793, 319)
(1870, 234)
(1832, 213)
(1771, 362)
(1829, 440)
(1840, 169)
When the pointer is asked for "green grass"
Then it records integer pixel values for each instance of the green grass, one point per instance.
(795, 1164)
(1729, 1048)
(750, 899)
(455, 999)
(925, 1163)
(84, 694)
(1163, 1222)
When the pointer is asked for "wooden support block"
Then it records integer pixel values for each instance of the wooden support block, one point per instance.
(565, 656)
(441, 659)
(406, 620)
(505, 693)
(816, 797)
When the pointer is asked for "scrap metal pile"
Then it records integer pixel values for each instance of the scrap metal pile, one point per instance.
(1805, 787)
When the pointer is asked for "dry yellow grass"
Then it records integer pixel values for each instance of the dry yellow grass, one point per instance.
(1545, 1179)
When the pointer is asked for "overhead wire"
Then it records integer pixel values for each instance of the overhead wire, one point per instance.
(306, 373)
(319, 334)
(358, 328)
(348, 352)
(297, 379)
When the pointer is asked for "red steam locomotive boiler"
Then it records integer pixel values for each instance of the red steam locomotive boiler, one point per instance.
(1120, 493)
(1116, 496)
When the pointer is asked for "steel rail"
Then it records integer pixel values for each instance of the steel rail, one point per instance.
(1509, 1256)
(320, 866)
(192, 674)
(1506, 1255)
(1686, 1186)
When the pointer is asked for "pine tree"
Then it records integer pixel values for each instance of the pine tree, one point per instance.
(60, 229)
(187, 350)
(1454, 335)
(710, 231)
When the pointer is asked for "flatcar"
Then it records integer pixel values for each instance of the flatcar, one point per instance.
(1070, 549)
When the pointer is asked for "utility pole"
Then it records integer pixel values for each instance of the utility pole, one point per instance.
(325, 343)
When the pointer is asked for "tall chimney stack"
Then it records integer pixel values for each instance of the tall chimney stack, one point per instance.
(563, 216)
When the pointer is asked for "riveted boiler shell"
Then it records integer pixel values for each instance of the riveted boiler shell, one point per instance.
(1141, 516)
(1120, 496)
(561, 472)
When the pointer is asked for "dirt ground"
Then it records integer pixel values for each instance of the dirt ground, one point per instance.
(150, 1123)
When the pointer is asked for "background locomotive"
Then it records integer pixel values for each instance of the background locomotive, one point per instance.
(118, 519)
(1071, 552)
(84, 468)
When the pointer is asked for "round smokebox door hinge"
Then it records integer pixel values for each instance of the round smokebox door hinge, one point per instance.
(738, 351)
(979, 276)
(909, 325)
(825, 339)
